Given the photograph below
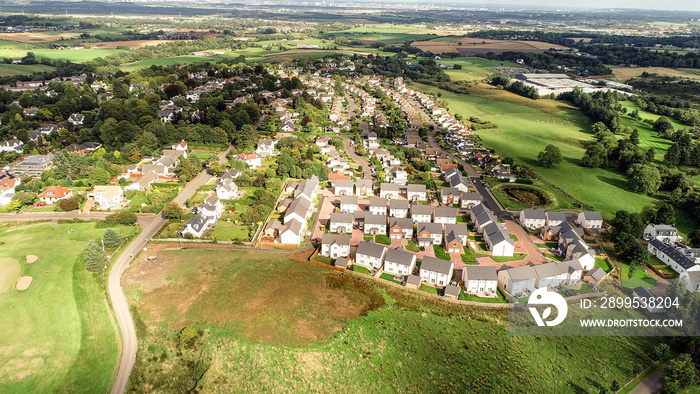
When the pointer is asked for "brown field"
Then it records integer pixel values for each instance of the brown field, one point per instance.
(130, 44)
(35, 37)
(625, 73)
(267, 298)
(471, 46)
(584, 39)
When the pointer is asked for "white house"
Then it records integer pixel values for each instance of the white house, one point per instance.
(518, 281)
(335, 245)
(363, 188)
(143, 182)
(212, 206)
(554, 218)
(299, 209)
(445, 215)
(341, 223)
(265, 148)
(480, 279)
(399, 262)
(398, 208)
(450, 195)
(673, 257)
(498, 240)
(348, 204)
(369, 254)
(107, 197)
(416, 193)
(375, 224)
(291, 233)
(590, 219)
(421, 213)
(252, 159)
(469, 200)
(378, 206)
(343, 187)
(54, 193)
(573, 271)
(549, 275)
(533, 218)
(8, 184)
(198, 225)
(663, 232)
(227, 190)
(436, 271)
(389, 190)
(307, 189)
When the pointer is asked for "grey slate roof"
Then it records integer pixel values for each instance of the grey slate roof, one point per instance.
(436, 265)
(339, 217)
(413, 188)
(377, 202)
(476, 272)
(673, 253)
(556, 215)
(398, 204)
(348, 200)
(452, 291)
(547, 270)
(445, 212)
(450, 191)
(375, 220)
(432, 228)
(521, 273)
(420, 209)
(592, 215)
(402, 223)
(399, 256)
(370, 249)
(534, 214)
(340, 239)
(390, 187)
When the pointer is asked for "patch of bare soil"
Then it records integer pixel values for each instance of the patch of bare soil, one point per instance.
(31, 259)
(24, 282)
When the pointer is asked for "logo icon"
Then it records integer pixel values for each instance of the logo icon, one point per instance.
(544, 297)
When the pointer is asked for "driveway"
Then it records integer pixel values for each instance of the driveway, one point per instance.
(323, 214)
(359, 160)
(191, 188)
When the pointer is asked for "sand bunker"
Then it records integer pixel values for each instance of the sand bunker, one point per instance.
(9, 271)
(24, 282)
(31, 258)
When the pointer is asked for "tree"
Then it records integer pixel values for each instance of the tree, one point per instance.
(596, 156)
(679, 374)
(99, 176)
(123, 218)
(68, 204)
(694, 239)
(172, 211)
(112, 239)
(663, 126)
(644, 178)
(634, 137)
(95, 258)
(550, 156)
(666, 214)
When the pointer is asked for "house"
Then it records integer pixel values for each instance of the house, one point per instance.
(307, 188)
(291, 232)
(469, 200)
(378, 206)
(421, 213)
(450, 195)
(76, 119)
(343, 187)
(445, 215)
(400, 228)
(230, 174)
(413, 282)
(107, 197)
(363, 188)
(252, 159)
(197, 226)
(662, 232)
(498, 240)
(518, 281)
(12, 145)
(180, 146)
(143, 182)
(299, 210)
(265, 148)
(389, 191)
(212, 206)
(480, 279)
(416, 192)
(572, 246)
(595, 275)
(399, 262)
(646, 299)
(397, 175)
(398, 208)
(335, 245)
(341, 223)
(672, 256)
(549, 275)
(369, 254)
(54, 193)
(375, 224)
(532, 218)
(554, 218)
(8, 184)
(453, 243)
(167, 115)
(227, 190)
(429, 234)
(481, 217)
(287, 126)
(590, 220)
(573, 271)
(459, 182)
(436, 271)
(170, 158)
(159, 169)
(272, 229)
(348, 204)
(460, 231)
(452, 292)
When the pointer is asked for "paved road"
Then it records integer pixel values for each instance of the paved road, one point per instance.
(191, 188)
(489, 201)
(360, 160)
(150, 226)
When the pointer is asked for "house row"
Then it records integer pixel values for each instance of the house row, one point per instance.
(521, 281)
(401, 263)
(536, 218)
(570, 243)
(453, 196)
(350, 215)
(494, 233)
(687, 268)
(297, 213)
(412, 192)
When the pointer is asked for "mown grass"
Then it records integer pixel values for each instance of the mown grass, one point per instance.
(604, 264)
(527, 126)
(57, 336)
(638, 278)
(394, 348)
(9, 70)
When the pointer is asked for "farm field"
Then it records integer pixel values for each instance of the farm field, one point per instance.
(527, 126)
(624, 73)
(471, 46)
(305, 328)
(57, 336)
(9, 70)
(474, 68)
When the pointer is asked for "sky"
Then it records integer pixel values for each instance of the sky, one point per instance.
(666, 5)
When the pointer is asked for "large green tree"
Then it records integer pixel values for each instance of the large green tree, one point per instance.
(644, 178)
(112, 238)
(550, 156)
(95, 258)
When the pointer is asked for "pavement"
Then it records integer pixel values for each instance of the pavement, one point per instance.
(191, 188)
(359, 160)
(489, 200)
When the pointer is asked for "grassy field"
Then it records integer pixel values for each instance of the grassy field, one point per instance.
(527, 126)
(624, 73)
(249, 324)
(474, 68)
(556, 202)
(639, 278)
(9, 70)
(57, 336)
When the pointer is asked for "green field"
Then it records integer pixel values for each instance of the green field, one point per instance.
(527, 126)
(9, 70)
(57, 336)
(473, 68)
(261, 323)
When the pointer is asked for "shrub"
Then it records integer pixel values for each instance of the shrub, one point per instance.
(68, 204)
(123, 218)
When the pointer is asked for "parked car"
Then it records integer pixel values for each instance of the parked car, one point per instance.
(41, 204)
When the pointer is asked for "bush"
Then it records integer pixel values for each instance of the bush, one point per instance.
(68, 204)
(123, 218)
(112, 239)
